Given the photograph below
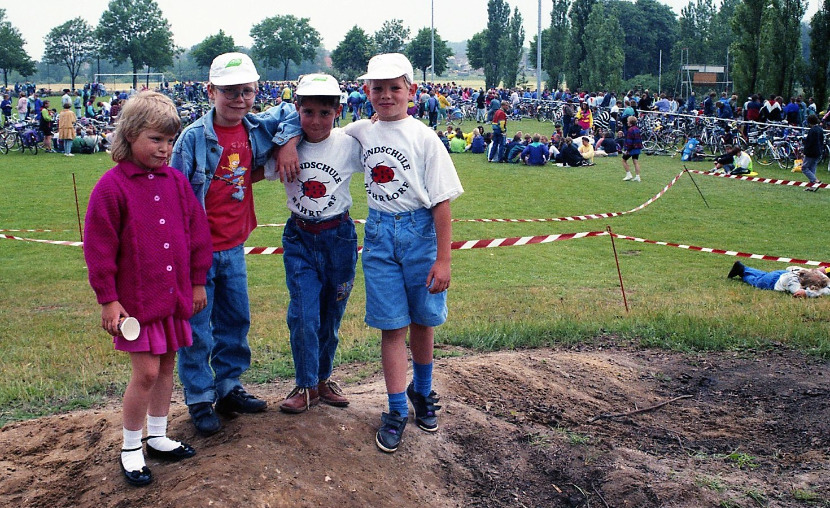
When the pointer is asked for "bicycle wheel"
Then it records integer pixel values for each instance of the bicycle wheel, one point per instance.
(785, 155)
(13, 140)
(456, 118)
(3, 146)
(33, 148)
(764, 155)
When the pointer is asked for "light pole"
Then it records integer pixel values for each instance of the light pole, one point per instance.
(432, 48)
(539, 55)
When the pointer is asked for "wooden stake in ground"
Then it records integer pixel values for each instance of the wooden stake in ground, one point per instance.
(77, 207)
(619, 273)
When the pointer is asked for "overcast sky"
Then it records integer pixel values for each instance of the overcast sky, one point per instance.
(191, 22)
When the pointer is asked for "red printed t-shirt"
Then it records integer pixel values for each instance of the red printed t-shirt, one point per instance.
(230, 200)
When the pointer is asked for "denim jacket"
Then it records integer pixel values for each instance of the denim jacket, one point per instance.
(197, 152)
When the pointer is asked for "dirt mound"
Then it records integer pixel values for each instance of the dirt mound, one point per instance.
(515, 431)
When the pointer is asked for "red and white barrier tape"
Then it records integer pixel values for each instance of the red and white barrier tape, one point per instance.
(774, 181)
(556, 219)
(52, 242)
(525, 240)
(32, 230)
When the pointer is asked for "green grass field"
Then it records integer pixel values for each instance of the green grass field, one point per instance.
(56, 357)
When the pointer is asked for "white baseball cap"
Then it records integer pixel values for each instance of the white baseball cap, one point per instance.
(389, 66)
(318, 84)
(233, 69)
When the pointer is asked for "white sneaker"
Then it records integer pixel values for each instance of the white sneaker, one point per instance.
(627, 177)
(636, 178)
(69, 154)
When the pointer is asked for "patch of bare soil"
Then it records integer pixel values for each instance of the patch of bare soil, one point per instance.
(515, 431)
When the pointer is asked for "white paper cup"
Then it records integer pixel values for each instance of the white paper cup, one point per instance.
(129, 328)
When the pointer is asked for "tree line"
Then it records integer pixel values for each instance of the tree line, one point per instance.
(767, 45)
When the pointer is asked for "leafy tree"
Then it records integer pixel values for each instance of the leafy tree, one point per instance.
(211, 47)
(554, 41)
(746, 25)
(820, 53)
(722, 34)
(576, 49)
(279, 40)
(781, 45)
(476, 51)
(695, 31)
(419, 52)
(392, 36)
(602, 67)
(512, 48)
(498, 15)
(136, 30)
(71, 44)
(351, 56)
(649, 27)
(13, 57)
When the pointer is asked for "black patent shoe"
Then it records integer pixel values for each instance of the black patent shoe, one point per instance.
(138, 478)
(184, 451)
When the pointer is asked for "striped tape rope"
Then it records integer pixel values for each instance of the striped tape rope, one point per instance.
(526, 240)
(774, 181)
(556, 219)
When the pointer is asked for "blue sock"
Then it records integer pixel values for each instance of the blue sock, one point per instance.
(397, 402)
(422, 378)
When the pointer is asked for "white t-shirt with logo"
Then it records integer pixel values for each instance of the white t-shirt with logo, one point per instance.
(321, 191)
(406, 167)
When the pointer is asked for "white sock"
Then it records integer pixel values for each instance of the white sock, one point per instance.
(157, 426)
(134, 460)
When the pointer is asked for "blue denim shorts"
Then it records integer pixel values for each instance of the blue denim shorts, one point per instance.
(399, 250)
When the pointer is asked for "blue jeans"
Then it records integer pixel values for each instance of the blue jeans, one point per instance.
(210, 368)
(399, 250)
(319, 273)
(808, 168)
(496, 147)
(761, 279)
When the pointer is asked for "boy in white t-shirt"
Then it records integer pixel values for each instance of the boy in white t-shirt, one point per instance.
(320, 242)
(409, 180)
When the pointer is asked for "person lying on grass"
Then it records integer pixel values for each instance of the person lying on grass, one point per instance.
(798, 281)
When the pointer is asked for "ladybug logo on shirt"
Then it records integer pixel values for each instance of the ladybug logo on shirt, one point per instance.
(314, 190)
(382, 173)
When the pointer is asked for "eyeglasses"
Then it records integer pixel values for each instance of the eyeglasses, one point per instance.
(233, 93)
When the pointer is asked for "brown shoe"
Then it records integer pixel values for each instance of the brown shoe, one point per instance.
(299, 400)
(331, 393)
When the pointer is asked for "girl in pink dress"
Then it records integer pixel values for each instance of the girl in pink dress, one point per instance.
(148, 249)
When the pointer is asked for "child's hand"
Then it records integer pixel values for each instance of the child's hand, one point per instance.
(438, 279)
(288, 162)
(111, 314)
(199, 299)
(800, 294)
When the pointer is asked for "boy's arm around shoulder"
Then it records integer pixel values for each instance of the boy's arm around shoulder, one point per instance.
(283, 125)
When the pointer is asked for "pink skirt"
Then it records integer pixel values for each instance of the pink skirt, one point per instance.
(158, 337)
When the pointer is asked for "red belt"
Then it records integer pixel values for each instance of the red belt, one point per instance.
(316, 227)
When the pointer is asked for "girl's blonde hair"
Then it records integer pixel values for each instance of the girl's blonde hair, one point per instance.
(146, 111)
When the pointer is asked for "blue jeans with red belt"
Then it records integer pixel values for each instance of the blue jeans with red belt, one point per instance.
(319, 272)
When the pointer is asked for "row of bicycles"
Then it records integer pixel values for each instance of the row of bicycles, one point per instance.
(25, 135)
(767, 144)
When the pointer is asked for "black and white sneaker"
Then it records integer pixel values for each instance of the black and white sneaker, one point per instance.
(390, 433)
(425, 408)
